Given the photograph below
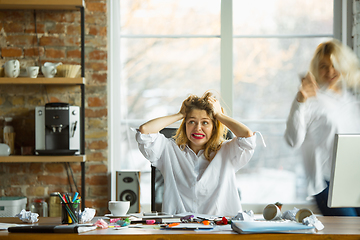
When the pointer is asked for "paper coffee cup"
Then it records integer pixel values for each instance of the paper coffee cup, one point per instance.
(272, 212)
(303, 213)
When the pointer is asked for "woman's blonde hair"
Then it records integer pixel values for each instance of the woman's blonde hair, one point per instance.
(219, 130)
(342, 57)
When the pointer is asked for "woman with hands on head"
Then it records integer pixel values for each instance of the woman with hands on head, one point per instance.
(324, 105)
(198, 164)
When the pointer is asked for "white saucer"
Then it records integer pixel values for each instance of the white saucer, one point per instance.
(117, 216)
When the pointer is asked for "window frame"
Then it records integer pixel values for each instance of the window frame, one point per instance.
(342, 31)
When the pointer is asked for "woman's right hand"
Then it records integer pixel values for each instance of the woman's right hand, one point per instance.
(308, 88)
(183, 107)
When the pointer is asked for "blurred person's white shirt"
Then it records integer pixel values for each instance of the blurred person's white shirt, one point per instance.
(192, 183)
(312, 126)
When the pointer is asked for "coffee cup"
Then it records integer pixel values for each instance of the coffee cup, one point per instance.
(12, 68)
(32, 71)
(49, 71)
(272, 212)
(119, 208)
(303, 213)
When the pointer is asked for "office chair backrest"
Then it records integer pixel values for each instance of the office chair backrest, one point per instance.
(157, 180)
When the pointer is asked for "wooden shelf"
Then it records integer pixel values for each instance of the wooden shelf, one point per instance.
(42, 80)
(73, 5)
(44, 159)
(42, 4)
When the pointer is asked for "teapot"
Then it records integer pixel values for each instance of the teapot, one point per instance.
(12, 68)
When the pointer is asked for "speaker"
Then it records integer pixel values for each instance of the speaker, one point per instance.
(128, 189)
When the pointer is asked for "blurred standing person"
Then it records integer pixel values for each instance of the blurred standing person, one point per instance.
(325, 105)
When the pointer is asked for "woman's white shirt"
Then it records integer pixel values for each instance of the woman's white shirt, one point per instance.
(192, 183)
(312, 126)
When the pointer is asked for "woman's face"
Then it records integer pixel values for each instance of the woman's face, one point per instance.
(328, 75)
(199, 128)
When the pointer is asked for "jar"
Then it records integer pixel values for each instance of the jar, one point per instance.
(54, 205)
(40, 207)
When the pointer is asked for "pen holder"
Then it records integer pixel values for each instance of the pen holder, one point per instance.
(70, 212)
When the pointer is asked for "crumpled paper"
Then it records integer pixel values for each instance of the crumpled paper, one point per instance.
(313, 221)
(290, 214)
(27, 216)
(244, 216)
(87, 215)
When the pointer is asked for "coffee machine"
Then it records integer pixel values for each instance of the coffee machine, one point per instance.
(57, 129)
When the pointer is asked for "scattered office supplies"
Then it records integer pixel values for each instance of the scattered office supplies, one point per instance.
(123, 222)
(199, 216)
(187, 218)
(152, 221)
(223, 221)
(188, 226)
(101, 224)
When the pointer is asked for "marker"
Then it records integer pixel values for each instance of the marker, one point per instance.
(151, 221)
(173, 224)
(75, 196)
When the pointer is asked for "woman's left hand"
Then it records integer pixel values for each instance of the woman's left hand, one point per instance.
(215, 105)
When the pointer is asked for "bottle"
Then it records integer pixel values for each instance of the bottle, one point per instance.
(40, 207)
(9, 134)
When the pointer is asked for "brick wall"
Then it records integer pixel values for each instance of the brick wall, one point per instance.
(57, 40)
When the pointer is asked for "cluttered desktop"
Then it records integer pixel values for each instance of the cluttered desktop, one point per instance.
(166, 226)
(273, 222)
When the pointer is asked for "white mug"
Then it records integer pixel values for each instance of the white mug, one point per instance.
(49, 71)
(12, 68)
(32, 71)
(119, 208)
(272, 212)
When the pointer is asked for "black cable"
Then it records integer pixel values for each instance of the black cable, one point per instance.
(37, 39)
(67, 172)
(72, 175)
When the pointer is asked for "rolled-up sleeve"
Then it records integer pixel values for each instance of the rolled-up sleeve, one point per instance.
(240, 150)
(151, 145)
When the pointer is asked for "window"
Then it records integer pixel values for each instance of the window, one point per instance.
(169, 49)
